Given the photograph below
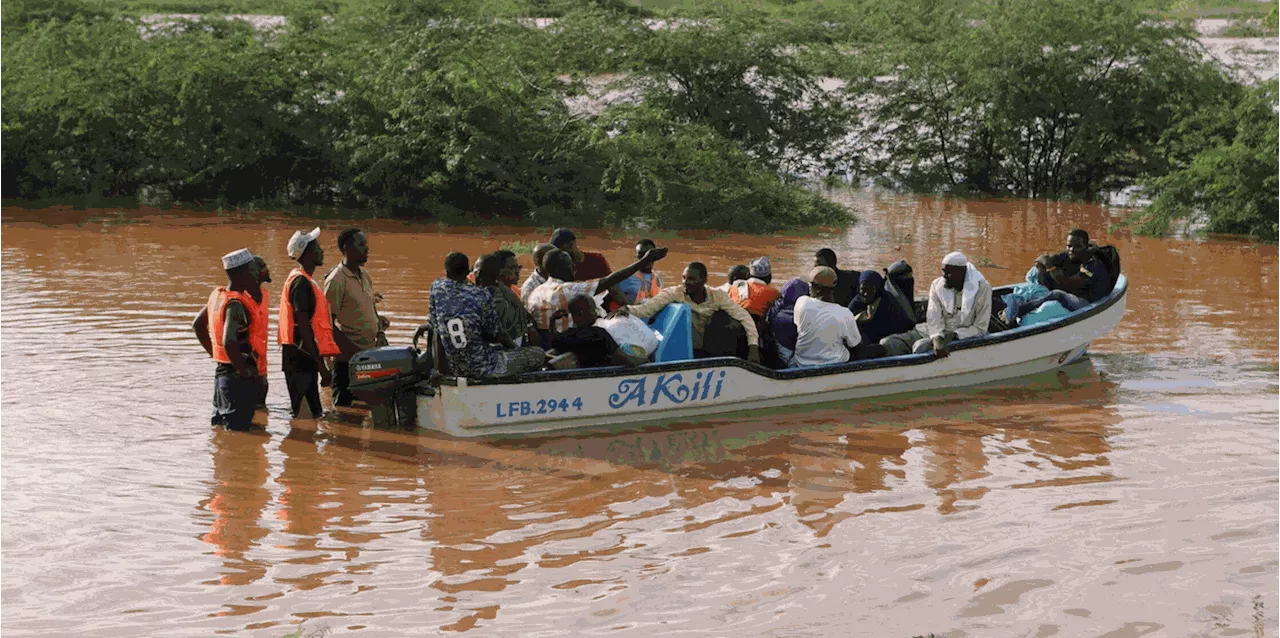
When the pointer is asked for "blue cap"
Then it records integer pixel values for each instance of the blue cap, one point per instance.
(562, 236)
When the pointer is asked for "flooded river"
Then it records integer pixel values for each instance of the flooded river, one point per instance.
(1132, 494)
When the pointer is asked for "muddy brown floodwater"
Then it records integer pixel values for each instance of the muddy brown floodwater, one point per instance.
(1132, 494)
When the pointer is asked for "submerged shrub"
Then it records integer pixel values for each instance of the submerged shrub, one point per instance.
(1229, 183)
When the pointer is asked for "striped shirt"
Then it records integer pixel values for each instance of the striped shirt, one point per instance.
(554, 295)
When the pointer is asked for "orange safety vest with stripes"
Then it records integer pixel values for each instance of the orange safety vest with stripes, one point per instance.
(259, 310)
(321, 322)
(217, 309)
(753, 295)
(643, 293)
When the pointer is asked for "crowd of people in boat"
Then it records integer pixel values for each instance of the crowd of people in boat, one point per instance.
(575, 310)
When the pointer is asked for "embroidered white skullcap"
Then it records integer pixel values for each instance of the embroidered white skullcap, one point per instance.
(760, 268)
(236, 258)
(956, 258)
(299, 241)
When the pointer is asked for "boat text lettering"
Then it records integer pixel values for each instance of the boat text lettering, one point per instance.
(541, 406)
(668, 388)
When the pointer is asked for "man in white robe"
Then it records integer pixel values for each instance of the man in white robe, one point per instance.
(959, 308)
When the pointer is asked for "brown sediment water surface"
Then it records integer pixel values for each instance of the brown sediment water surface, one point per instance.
(1134, 493)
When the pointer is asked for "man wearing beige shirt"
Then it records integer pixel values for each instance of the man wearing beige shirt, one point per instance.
(704, 302)
(353, 303)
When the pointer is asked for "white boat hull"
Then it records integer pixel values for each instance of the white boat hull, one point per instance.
(688, 390)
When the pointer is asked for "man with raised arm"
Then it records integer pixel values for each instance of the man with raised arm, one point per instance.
(706, 304)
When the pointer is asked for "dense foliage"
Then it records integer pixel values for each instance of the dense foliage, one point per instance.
(459, 109)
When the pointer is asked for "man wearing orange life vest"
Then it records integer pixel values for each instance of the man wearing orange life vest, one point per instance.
(305, 327)
(756, 293)
(224, 328)
(645, 284)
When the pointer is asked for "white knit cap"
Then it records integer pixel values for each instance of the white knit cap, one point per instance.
(956, 258)
(299, 241)
(236, 258)
(760, 268)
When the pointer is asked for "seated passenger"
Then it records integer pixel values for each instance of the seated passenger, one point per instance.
(782, 320)
(878, 316)
(1075, 278)
(645, 284)
(538, 276)
(826, 331)
(464, 320)
(709, 308)
(587, 265)
(737, 273)
(591, 345)
(959, 308)
(756, 292)
(513, 318)
(846, 280)
(900, 287)
(555, 293)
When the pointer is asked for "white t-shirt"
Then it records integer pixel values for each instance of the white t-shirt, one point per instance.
(826, 332)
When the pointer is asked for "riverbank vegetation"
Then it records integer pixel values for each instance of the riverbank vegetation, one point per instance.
(453, 108)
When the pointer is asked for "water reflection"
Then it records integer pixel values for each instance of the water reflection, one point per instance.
(236, 500)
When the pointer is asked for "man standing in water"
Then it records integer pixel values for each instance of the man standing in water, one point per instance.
(224, 328)
(353, 302)
(260, 324)
(305, 328)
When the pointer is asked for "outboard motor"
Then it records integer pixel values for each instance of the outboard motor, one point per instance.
(389, 379)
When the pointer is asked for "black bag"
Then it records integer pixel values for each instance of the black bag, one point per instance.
(1110, 257)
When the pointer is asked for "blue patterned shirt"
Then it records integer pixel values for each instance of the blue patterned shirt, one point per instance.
(464, 316)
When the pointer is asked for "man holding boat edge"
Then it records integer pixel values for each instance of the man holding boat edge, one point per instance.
(706, 304)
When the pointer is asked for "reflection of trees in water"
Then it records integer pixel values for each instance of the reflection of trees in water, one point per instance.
(237, 497)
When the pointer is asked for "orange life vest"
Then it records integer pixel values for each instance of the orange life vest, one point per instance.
(651, 291)
(258, 328)
(753, 295)
(217, 309)
(321, 322)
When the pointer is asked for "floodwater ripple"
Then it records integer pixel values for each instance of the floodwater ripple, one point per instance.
(1132, 493)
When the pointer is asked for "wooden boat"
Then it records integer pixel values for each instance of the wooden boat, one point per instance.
(552, 402)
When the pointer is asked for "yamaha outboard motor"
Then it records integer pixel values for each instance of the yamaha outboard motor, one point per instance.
(389, 379)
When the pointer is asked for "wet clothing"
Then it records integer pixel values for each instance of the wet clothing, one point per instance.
(700, 312)
(640, 287)
(593, 266)
(235, 399)
(593, 345)
(1092, 273)
(301, 371)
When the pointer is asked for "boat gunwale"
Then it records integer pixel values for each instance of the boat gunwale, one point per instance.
(1022, 332)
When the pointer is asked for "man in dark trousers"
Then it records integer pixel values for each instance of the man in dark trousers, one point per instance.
(353, 302)
(223, 328)
(1075, 278)
(305, 328)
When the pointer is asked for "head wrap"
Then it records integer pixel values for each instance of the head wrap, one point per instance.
(873, 277)
(956, 258)
(562, 236)
(298, 242)
(760, 268)
(793, 290)
(236, 258)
